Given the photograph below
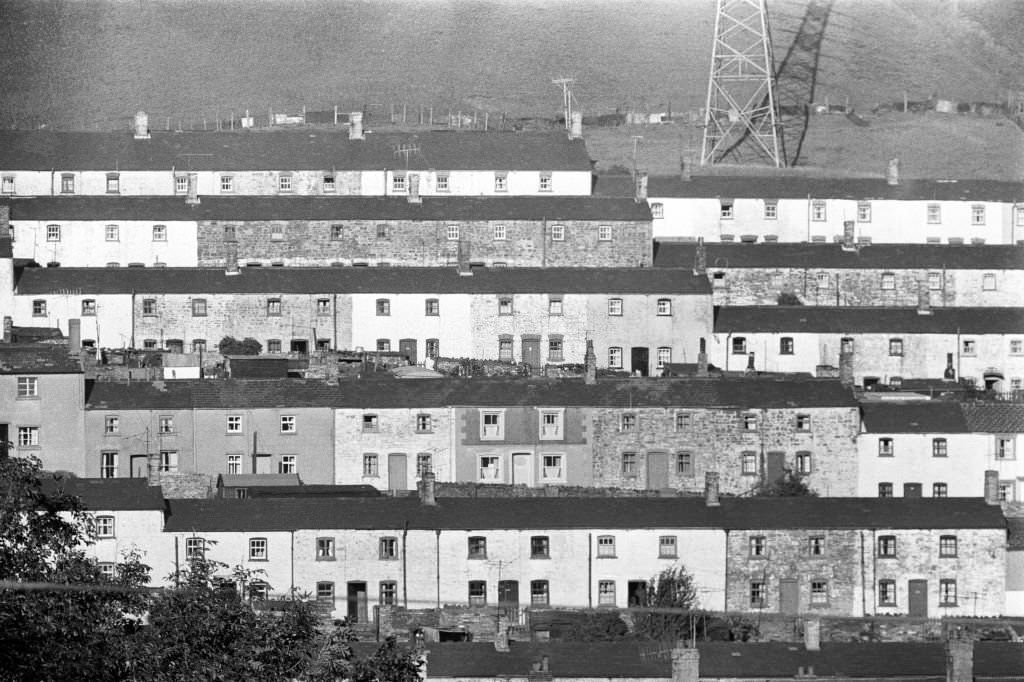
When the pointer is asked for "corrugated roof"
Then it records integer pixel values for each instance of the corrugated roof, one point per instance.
(351, 280)
(832, 256)
(111, 494)
(803, 187)
(994, 417)
(431, 208)
(913, 417)
(468, 513)
(289, 150)
(867, 320)
(41, 358)
(393, 394)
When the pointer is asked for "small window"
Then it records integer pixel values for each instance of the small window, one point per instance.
(988, 281)
(887, 545)
(273, 307)
(771, 210)
(67, 183)
(896, 347)
(978, 214)
(492, 425)
(195, 548)
(553, 467)
(887, 593)
(111, 424)
(382, 231)
(739, 345)
(803, 463)
(501, 182)
(885, 447)
(748, 463)
(664, 356)
(551, 424)
(725, 209)
(398, 183)
(273, 345)
(227, 183)
(818, 210)
(442, 183)
(786, 345)
(166, 425)
(888, 281)
(539, 593)
(803, 422)
(505, 350)
(112, 233)
(53, 233)
(169, 460)
(489, 469)
(934, 214)
(940, 490)
(822, 280)
(750, 422)
(234, 423)
(432, 307)
(198, 307)
(863, 211)
(939, 447)
(234, 464)
(258, 549)
(180, 184)
(615, 306)
(947, 592)
(7, 186)
(39, 308)
(545, 182)
(149, 344)
(288, 424)
(846, 345)
(558, 233)
(28, 387)
(325, 549)
(667, 547)
(816, 545)
(89, 307)
(424, 424)
(284, 183)
(629, 466)
(885, 489)
(330, 184)
(323, 306)
(615, 357)
(555, 305)
(387, 548)
(383, 345)
(605, 546)
(758, 546)
(540, 547)
(108, 464)
(337, 233)
(604, 234)
(477, 592)
(370, 423)
(28, 436)
(757, 594)
(105, 526)
(477, 545)
(433, 348)
(371, 466)
(500, 233)
(683, 421)
(664, 306)
(606, 593)
(819, 593)
(627, 423)
(684, 464)
(388, 593)
(504, 305)
(657, 210)
(288, 464)
(1004, 447)
(934, 281)
(1016, 346)
(159, 233)
(424, 464)
(947, 546)
(383, 307)
(968, 347)
(325, 592)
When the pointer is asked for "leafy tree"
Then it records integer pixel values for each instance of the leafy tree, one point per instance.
(599, 626)
(671, 597)
(788, 485)
(229, 345)
(787, 298)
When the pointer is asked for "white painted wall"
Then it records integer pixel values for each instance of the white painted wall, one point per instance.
(111, 327)
(408, 320)
(83, 243)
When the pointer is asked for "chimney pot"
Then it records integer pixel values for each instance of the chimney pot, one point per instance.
(991, 487)
(414, 189)
(590, 364)
(892, 172)
(427, 496)
(192, 197)
(702, 359)
(355, 125)
(640, 186)
(711, 489)
(141, 126)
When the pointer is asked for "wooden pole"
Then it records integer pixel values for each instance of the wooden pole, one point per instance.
(431, 115)
(232, 120)
(204, 123)
(404, 110)
(335, 114)
(485, 120)
(905, 101)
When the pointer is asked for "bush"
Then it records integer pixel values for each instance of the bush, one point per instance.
(229, 345)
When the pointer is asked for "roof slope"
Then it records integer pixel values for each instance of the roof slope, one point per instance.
(802, 187)
(994, 417)
(350, 280)
(111, 494)
(288, 150)
(832, 256)
(913, 417)
(283, 514)
(443, 208)
(867, 320)
(38, 358)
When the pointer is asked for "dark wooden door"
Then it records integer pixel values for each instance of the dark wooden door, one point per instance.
(789, 597)
(531, 352)
(508, 593)
(775, 466)
(917, 598)
(407, 347)
(640, 360)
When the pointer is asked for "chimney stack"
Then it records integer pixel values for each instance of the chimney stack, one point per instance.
(590, 364)
(576, 126)
(414, 189)
(153, 468)
(702, 359)
(812, 634)
(950, 373)
(192, 197)
(711, 489)
(849, 236)
(685, 167)
(5, 221)
(427, 498)
(640, 186)
(845, 366)
(8, 328)
(700, 258)
(924, 299)
(991, 487)
(892, 172)
(959, 658)
(685, 665)
(231, 257)
(141, 126)
(462, 257)
(355, 125)
(75, 336)
(501, 640)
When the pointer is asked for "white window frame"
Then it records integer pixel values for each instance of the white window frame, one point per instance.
(558, 233)
(108, 464)
(495, 430)
(227, 184)
(289, 424)
(615, 307)
(551, 423)
(284, 183)
(234, 464)
(288, 465)
(28, 436)
(488, 468)
(657, 210)
(28, 387)
(106, 526)
(545, 183)
(606, 593)
(53, 232)
(500, 233)
(819, 211)
(863, 211)
(452, 233)
(605, 547)
(989, 282)
(934, 214)
(112, 233)
(615, 357)
(604, 233)
(665, 307)
(443, 182)
(501, 182)
(259, 549)
(664, 355)
(552, 466)
(977, 214)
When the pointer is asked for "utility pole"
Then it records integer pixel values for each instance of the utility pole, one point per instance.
(566, 84)
(405, 150)
(636, 145)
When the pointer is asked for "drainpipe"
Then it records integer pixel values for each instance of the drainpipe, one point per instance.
(293, 563)
(728, 349)
(590, 571)
(863, 580)
(177, 564)
(437, 562)
(53, 179)
(132, 333)
(725, 592)
(334, 314)
(405, 586)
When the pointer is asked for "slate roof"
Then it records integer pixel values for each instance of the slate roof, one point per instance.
(395, 394)
(42, 358)
(6, 248)
(111, 494)
(289, 150)
(1015, 532)
(468, 513)
(832, 256)
(800, 187)
(432, 208)
(913, 417)
(867, 320)
(268, 480)
(994, 417)
(723, 660)
(349, 280)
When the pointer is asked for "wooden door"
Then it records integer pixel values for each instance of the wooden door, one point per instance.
(508, 593)
(917, 598)
(407, 347)
(398, 472)
(657, 470)
(531, 352)
(789, 597)
(640, 360)
(356, 598)
(522, 468)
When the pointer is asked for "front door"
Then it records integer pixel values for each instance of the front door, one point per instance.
(522, 468)
(398, 476)
(531, 351)
(775, 466)
(140, 466)
(789, 597)
(263, 464)
(300, 346)
(407, 347)
(508, 593)
(357, 611)
(657, 470)
(640, 360)
(911, 490)
(637, 591)
(917, 601)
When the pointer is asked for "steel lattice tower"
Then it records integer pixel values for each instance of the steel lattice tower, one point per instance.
(741, 118)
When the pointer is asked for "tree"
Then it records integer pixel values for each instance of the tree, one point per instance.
(788, 298)
(671, 597)
(600, 626)
(790, 484)
(229, 345)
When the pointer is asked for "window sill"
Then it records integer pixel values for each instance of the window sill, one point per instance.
(388, 558)
(325, 558)
(541, 558)
(668, 556)
(609, 556)
(259, 560)
(948, 605)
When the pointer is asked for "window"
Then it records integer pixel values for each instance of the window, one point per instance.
(816, 545)
(149, 307)
(888, 281)
(432, 307)
(683, 421)
(758, 546)
(370, 423)
(819, 592)
(1016, 346)
(818, 210)
(1018, 220)
(748, 464)
(111, 424)
(273, 345)
(803, 422)
(1004, 447)
(166, 425)
(424, 464)
(337, 232)
(558, 233)
(664, 356)
(934, 214)
(978, 214)
(258, 590)
(896, 347)
(786, 345)
(112, 233)
(863, 211)
(500, 233)
(627, 422)
(750, 422)
(477, 547)
(227, 183)
(604, 234)
(539, 547)
(934, 281)
(383, 345)
(885, 489)
(159, 233)
(288, 424)
(605, 546)
(39, 308)
(545, 182)
(504, 305)
(8, 184)
(822, 280)
(284, 183)
(149, 344)
(968, 347)
(67, 184)
(606, 593)
(988, 281)
(615, 306)
(629, 467)
(388, 593)
(329, 182)
(947, 546)
(684, 464)
(108, 465)
(273, 307)
(725, 209)
(552, 467)
(198, 307)
(258, 549)
(757, 594)
(554, 305)
(947, 592)
(387, 548)
(53, 233)
(492, 425)
(28, 387)
(739, 345)
(398, 183)
(939, 447)
(887, 593)
(325, 592)
(500, 182)
(885, 447)
(489, 468)
(442, 182)
(288, 465)
(846, 345)
(169, 460)
(539, 593)
(433, 348)
(803, 463)
(371, 468)
(234, 464)
(180, 184)
(89, 307)
(505, 349)
(1005, 491)
(551, 424)
(664, 306)
(195, 548)
(615, 357)
(452, 233)
(771, 210)
(477, 592)
(105, 526)
(424, 424)
(667, 547)
(887, 545)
